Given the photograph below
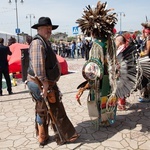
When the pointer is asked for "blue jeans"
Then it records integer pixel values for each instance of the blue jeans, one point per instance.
(34, 90)
(36, 93)
(72, 53)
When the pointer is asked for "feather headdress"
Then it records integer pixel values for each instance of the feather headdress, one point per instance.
(97, 18)
(146, 25)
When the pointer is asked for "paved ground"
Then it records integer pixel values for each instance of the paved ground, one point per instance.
(131, 130)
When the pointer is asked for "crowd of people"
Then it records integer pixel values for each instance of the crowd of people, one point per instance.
(74, 49)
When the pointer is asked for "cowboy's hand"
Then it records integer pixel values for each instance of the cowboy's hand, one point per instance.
(45, 89)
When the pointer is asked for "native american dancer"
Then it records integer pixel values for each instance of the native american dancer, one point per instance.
(108, 77)
(144, 56)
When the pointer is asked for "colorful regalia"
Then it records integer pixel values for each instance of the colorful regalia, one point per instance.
(107, 77)
(144, 59)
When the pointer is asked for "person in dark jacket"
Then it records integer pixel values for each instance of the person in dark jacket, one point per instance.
(4, 67)
(86, 46)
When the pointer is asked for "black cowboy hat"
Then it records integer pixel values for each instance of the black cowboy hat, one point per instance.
(44, 21)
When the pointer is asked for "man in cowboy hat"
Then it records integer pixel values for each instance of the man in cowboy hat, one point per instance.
(44, 70)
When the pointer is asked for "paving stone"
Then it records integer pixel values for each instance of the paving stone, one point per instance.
(124, 143)
(112, 144)
(20, 141)
(133, 143)
(145, 146)
(4, 134)
(117, 137)
(6, 144)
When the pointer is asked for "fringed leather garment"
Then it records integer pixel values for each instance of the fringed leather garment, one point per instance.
(63, 128)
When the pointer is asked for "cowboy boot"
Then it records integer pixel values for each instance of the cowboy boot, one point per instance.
(43, 135)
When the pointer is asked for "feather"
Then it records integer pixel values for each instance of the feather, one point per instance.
(82, 84)
(127, 79)
(144, 64)
(97, 18)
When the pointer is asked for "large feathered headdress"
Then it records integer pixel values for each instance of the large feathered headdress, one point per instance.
(97, 18)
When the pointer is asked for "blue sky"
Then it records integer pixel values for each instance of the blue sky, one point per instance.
(66, 12)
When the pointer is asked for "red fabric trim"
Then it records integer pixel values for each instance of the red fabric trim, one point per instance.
(146, 30)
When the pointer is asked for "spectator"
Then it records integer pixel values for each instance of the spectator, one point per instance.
(79, 48)
(73, 48)
(28, 39)
(4, 68)
(54, 47)
(11, 41)
(82, 48)
(68, 49)
(86, 47)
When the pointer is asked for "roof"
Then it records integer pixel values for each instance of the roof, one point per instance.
(3, 32)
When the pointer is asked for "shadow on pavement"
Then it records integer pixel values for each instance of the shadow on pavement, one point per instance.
(125, 124)
(15, 99)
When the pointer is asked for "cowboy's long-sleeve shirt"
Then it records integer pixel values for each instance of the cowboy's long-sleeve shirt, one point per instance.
(37, 58)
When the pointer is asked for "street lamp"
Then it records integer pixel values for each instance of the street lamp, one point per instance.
(17, 29)
(121, 14)
(30, 17)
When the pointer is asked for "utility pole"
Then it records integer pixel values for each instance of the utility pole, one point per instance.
(16, 8)
(120, 15)
(30, 16)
